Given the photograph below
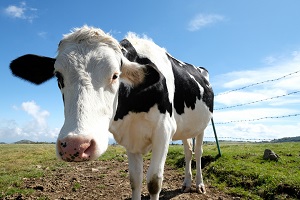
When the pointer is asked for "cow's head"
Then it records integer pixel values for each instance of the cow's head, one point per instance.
(89, 67)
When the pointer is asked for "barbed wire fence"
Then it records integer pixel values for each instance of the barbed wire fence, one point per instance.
(259, 83)
(270, 99)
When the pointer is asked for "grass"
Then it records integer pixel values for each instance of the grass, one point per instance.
(241, 171)
(22, 161)
(114, 152)
(76, 187)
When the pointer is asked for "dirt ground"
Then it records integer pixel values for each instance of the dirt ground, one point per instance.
(104, 180)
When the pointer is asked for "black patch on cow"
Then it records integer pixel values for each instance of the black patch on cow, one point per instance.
(131, 54)
(128, 51)
(33, 68)
(60, 83)
(153, 90)
(60, 80)
(186, 89)
(154, 184)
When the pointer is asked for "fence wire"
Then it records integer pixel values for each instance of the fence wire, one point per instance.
(253, 102)
(257, 101)
(258, 119)
(255, 84)
(240, 139)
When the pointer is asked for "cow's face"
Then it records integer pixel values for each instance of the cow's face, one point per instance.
(89, 67)
(88, 77)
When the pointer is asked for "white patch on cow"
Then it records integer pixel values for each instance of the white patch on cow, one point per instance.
(201, 89)
(136, 130)
(179, 61)
(190, 123)
(204, 73)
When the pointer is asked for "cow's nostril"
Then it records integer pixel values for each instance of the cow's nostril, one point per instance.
(89, 150)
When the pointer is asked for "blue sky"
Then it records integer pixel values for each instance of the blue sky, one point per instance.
(239, 42)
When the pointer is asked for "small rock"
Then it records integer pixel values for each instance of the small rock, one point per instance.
(270, 155)
(95, 170)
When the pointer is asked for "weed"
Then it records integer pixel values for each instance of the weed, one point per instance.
(102, 175)
(101, 187)
(76, 187)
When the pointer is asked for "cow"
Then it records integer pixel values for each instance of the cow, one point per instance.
(133, 89)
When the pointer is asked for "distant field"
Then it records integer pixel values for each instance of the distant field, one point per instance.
(241, 171)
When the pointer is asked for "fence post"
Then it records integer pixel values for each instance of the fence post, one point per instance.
(216, 137)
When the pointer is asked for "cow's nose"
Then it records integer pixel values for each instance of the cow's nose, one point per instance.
(75, 149)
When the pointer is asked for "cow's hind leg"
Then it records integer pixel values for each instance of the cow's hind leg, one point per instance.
(188, 152)
(136, 174)
(200, 188)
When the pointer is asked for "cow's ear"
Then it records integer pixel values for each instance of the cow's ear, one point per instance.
(132, 73)
(33, 68)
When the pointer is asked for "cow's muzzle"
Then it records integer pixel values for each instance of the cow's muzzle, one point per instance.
(76, 148)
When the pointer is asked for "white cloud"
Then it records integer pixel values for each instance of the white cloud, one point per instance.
(244, 97)
(244, 114)
(202, 20)
(42, 34)
(269, 60)
(35, 129)
(14, 11)
(40, 116)
(21, 12)
(285, 66)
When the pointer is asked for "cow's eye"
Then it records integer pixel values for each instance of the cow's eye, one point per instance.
(115, 76)
(60, 80)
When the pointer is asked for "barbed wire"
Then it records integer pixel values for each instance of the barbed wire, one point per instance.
(258, 119)
(241, 139)
(253, 102)
(271, 98)
(258, 83)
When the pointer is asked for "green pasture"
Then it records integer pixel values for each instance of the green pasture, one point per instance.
(241, 171)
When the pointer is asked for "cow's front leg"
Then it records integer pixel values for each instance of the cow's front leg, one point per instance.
(156, 168)
(135, 174)
(200, 188)
(188, 152)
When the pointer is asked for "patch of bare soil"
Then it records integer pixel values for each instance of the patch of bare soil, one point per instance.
(104, 180)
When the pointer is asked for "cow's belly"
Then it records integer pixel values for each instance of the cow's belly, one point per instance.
(135, 131)
(192, 122)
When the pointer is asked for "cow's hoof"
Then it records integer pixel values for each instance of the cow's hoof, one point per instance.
(201, 189)
(185, 189)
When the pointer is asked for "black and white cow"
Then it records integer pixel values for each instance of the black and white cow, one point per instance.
(133, 89)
